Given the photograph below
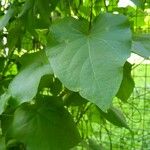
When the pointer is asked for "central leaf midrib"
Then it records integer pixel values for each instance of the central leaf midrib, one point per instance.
(92, 66)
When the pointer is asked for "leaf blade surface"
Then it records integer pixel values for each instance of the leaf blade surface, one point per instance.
(91, 62)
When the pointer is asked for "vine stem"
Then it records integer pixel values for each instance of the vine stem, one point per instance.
(83, 112)
(109, 136)
(91, 15)
(106, 6)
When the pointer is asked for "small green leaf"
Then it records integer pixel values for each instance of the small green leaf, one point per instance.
(91, 62)
(6, 118)
(74, 99)
(45, 82)
(4, 84)
(141, 45)
(3, 101)
(5, 19)
(44, 126)
(115, 116)
(127, 84)
(94, 146)
(94, 114)
(44, 10)
(15, 145)
(56, 87)
(27, 5)
(15, 28)
(139, 3)
(2, 63)
(25, 85)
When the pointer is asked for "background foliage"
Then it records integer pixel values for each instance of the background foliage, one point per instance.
(61, 65)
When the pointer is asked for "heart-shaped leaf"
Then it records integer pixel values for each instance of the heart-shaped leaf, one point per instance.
(91, 62)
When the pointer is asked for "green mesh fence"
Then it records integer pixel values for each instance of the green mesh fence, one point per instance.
(137, 113)
(137, 109)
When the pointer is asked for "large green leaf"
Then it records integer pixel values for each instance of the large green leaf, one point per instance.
(141, 45)
(25, 85)
(5, 19)
(127, 84)
(91, 62)
(44, 126)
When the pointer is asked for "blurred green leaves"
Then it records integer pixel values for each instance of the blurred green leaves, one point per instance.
(84, 68)
(43, 125)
